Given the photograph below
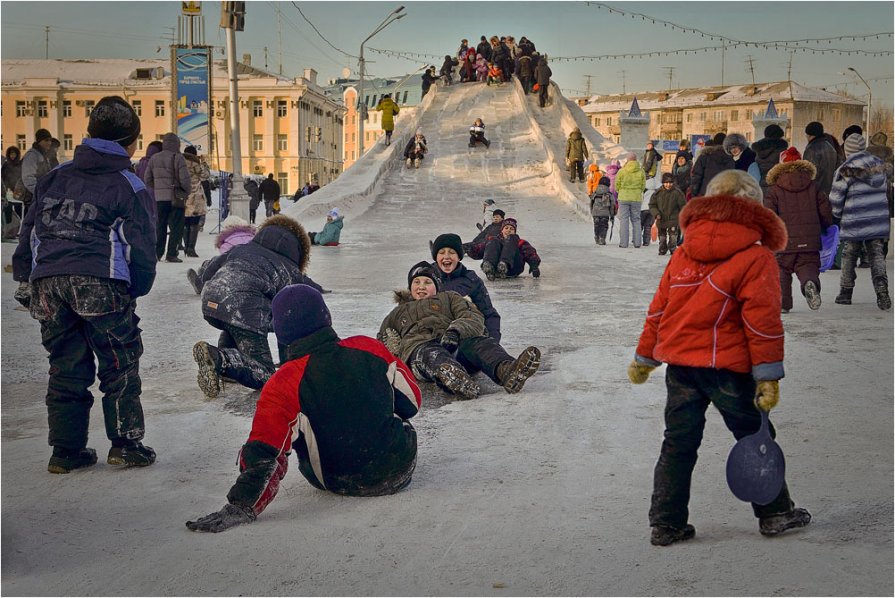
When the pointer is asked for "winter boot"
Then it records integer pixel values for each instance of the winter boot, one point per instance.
(812, 295)
(193, 277)
(844, 296)
(416, 163)
(455, 379)
(602, 239)
(502, 269)
(132, 454)
(513, 374)
(777, 524)
(881, 286)
(663, 535)
(597, 239)
(191, 242)
(409, 162)
(208, 358)
(66, 460)
(488, 269)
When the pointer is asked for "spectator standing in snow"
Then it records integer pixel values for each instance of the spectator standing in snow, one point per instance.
(731, 358)
(196, 203)
(169, 178)
(681, 171)
(665, 205)
(270, 193)
(342, 404)
(631, 183)
(506, 255)
(710, 161)
(767, 152)
(743, 156)
(35, 164)
(651, 160)
(646, 216)
(822, 153)
(251, 187)
(81, 266)
(602, 208)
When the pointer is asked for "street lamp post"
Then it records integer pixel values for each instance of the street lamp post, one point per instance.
(869, 100)
(361, 104)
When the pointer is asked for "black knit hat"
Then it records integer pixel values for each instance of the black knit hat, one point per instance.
(42, 135)
(773, 132)
(191, 150)
(423, 269)
(499, 212)
(113, 119)
(298, 311)
(851, 130)
(815, 129)
(447, 240)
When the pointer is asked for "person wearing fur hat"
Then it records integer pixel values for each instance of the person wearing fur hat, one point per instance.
(767, 152)
(234, 232)
(332, 230)
(442, 336)
(506, 255)
(715, 322)
(822, 153)
(602, 208)
(86, 252)
(736, 145)
(710, 161)
(666, 205)
(343, 405)
(860, 205)
(416, 149)
(238, 287)
(576, 154)
(793, 195)
(195, 203)
(447, 251)
(631, 183)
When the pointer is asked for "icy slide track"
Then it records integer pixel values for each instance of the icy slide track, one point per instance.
(541, 493)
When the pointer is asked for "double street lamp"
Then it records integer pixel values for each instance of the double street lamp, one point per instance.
(361, 101)
(869, 100)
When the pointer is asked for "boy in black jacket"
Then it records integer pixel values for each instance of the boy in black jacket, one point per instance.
(342, 404)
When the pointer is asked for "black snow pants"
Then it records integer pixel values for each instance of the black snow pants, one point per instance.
(480, 353)
(690, 391)
(505, 250)
(168, 218)
(245, 355)
(82, 318)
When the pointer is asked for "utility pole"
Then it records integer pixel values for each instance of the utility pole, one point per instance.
(670, 71)
(265, 58)
(587, 79)
(47, 46)
(624, 80)
(233, 20)
(722, 63)
(751, 62)
(279, 40)
(361, 101)
(789, 68)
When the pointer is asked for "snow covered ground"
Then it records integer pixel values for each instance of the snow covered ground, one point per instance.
(544, 492)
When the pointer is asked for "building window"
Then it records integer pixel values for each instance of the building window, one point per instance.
(734, 115)
(159, 108)
(257, 108)
(689, 117)
(748, 135)
(88, 107)
(139, 142)
(702, 117)
(282, 143)
(67, 143)
(20, 109)
(404, 101)
(283, 180)
(720, 115)
(836, 114)
(138, 107)
(609, 121)
(281, 108)
(42, 111)
(258, 143)
(66, 109)
(20, 142)
(158, 137)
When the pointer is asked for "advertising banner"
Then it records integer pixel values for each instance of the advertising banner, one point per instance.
(192, 98)
(697, 142)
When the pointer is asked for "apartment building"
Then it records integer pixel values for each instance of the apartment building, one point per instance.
(288, 126)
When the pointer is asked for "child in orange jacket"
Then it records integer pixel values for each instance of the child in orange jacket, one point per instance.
(715, 320)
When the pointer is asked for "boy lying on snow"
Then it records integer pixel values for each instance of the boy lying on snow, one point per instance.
(441, 335)
(346, 400)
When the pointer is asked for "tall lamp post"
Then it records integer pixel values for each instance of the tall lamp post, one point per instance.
(361, 103)
(869, 100)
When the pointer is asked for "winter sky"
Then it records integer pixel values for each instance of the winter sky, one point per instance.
(561, 29)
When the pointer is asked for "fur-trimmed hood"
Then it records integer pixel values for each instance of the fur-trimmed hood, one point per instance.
(711, 149)
(716, 227)
(402, 296)
(302, 253)
(803, 170)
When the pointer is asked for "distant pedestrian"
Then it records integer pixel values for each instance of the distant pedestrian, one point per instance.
(822, 154)
(542, 78)
(576, 154)
(389, 110)
(767, 152)
(651, 160)
(630, 183)
(270, 193)
(710, 161)
(169, 177)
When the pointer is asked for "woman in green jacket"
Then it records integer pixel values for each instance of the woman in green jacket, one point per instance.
(630, 182)
(389, 110)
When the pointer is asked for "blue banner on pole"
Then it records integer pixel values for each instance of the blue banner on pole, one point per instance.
(192, 101)
(697, 142)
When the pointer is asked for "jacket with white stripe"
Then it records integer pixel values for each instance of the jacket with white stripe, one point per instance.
(91, 216)
(343, 405)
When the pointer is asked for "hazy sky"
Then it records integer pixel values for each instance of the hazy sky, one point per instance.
(137, 29)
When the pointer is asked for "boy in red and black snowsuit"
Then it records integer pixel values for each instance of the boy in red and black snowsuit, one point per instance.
(342, 404)
(715, 320)
(506, 255)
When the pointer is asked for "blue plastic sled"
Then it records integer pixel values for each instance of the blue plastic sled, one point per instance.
(756, 468)
(829, 243)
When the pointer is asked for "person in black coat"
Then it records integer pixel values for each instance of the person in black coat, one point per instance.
(476, 248)
(429, 77)
(447, 251)
(710, 161)
(767, 152)
(821, 151)
(542, 78)
(270, 192)
(484, 48)
(254, 192)
(736, 145)
(237, 288)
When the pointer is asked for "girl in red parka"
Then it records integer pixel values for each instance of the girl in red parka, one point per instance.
(715, 320)
(806, 211)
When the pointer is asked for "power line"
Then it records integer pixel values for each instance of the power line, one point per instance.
(751, 62)
(320, 34)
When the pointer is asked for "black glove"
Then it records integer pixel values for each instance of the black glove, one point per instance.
(229, 516)
(450, 340)
(535, 272)
(23, 294)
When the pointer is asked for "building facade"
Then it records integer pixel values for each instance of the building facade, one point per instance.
(288, 126)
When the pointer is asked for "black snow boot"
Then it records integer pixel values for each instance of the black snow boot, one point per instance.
(488, 269)
(844, 296)
(502, 269)
(883, 301)
(66, 460)
(663, 535)
(777, 524)
(191, 242)
(208, 359)
(457, 380)
(812, 295)
(513, 374)
(193, 277)
(131, 454)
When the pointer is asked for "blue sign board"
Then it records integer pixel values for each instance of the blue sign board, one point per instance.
(192, 101)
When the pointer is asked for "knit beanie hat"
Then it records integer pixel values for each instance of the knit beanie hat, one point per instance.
(114, 119)
(852, 129)
(509, 221)
(333, 213)
(773, 132)
(499, 212)
(191, 150)
(423, 269)
(447, 240)
(790, 155)
(667, 177)
(815, 129)
(42, 135)
(854, 143)
(718, 139)
(298, 311)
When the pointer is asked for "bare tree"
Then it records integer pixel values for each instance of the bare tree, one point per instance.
(881, 120)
